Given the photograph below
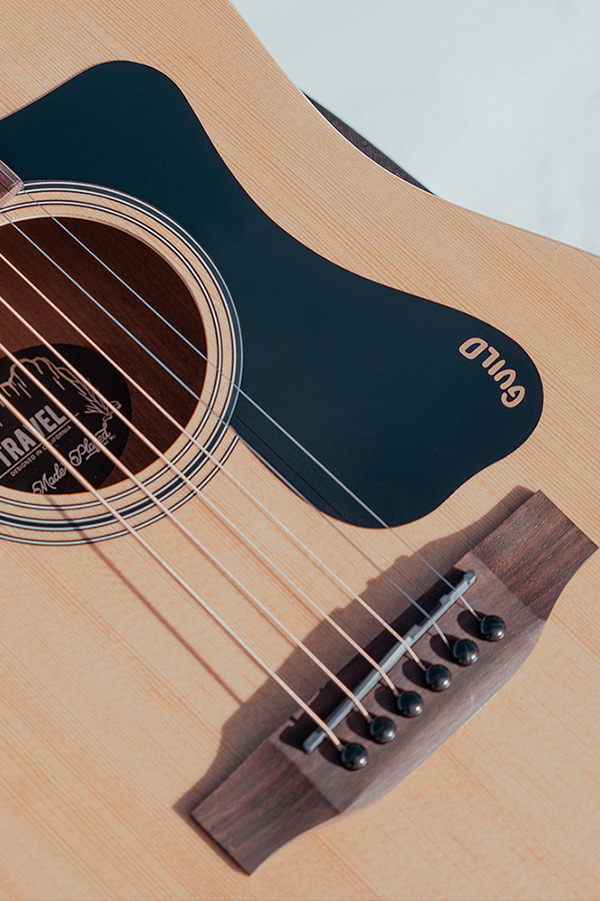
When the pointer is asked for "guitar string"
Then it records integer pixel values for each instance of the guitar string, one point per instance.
(333, 525)
(220, 371)
(221, 466)
(180, 427)
(257, 406)
(193, 538)
(115, 460)
(238, 388)
(179, 579)
(114, 512)
(196, 490)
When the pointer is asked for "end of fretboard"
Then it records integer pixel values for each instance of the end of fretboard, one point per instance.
(10, 183)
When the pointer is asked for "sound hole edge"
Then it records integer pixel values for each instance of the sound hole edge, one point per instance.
(145, 269)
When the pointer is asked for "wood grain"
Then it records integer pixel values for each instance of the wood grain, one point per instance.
(279, 792)
(117, 696)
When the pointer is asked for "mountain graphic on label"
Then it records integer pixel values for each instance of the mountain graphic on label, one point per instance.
(53, 409)
(17, 386)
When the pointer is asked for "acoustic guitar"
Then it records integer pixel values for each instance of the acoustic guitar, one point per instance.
(297, 461)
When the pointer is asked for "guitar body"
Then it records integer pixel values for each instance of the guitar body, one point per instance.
(350, 305)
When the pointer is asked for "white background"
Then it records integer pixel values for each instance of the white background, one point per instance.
(492, 105)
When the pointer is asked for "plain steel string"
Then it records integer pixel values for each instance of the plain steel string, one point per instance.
(205, 498)
(193, 394)
(194, 539)
(365, 556)
(239, 388)
(181, 581)
(218, 463)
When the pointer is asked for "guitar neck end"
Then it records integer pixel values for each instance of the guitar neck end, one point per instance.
(10, 183)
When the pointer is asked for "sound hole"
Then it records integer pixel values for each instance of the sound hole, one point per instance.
(152, 278)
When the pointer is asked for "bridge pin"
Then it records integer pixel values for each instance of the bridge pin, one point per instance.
(382, 729)
(354, 756)
(492, 628)
(465, 651)
(409, 703)
(437, 677)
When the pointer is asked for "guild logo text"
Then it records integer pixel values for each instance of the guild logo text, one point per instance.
(512, 394)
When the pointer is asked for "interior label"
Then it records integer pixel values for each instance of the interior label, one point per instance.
(25, 463)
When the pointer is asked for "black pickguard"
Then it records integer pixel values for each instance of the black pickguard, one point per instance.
(368, 378)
